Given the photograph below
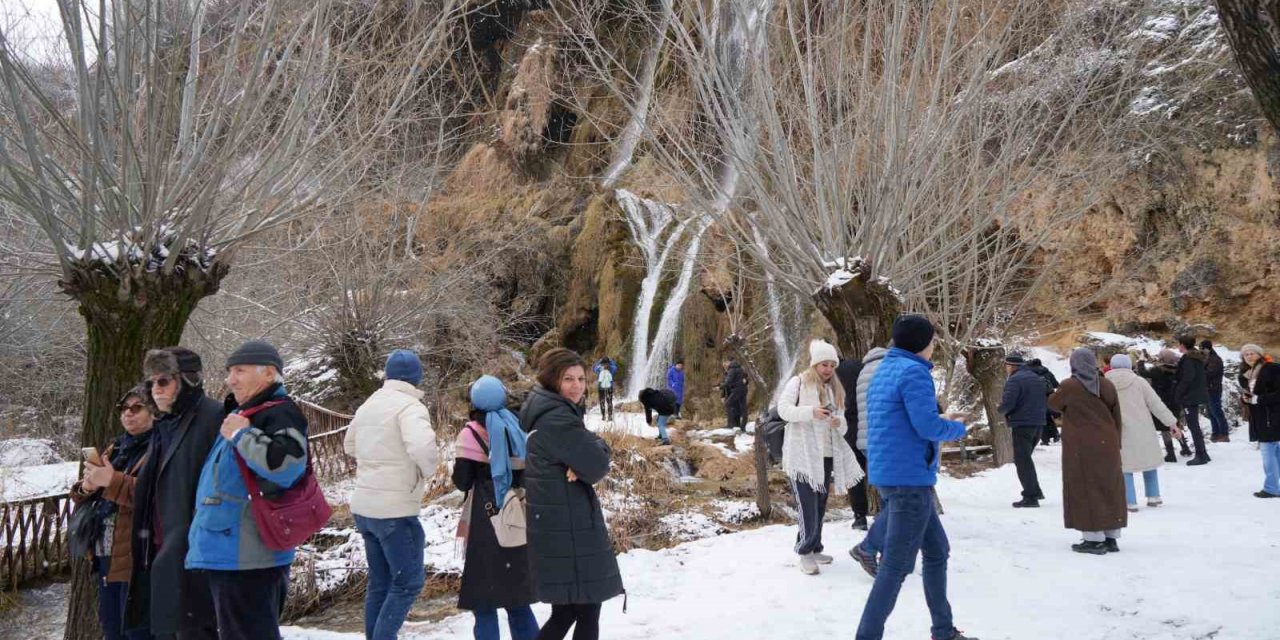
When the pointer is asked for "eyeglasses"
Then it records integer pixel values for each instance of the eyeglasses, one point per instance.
(132, 409)
(161, 382)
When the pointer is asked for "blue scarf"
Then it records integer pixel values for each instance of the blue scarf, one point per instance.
(506, 439)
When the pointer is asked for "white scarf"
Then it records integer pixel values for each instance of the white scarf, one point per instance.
(802, 458)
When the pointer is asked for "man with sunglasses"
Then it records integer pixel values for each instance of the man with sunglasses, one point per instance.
(175, 601)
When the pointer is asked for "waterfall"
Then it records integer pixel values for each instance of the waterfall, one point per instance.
(649, 69)
(656, 231)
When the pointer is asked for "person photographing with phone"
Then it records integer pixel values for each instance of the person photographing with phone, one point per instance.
(1260, 394)
(814, 452)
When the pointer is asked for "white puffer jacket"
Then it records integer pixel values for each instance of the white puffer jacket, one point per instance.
(1139, 440)
(806, 441)
(395, 450)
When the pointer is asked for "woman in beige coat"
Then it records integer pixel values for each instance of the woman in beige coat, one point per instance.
(1139, 439)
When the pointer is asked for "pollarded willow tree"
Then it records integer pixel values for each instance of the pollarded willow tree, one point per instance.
(172, 133)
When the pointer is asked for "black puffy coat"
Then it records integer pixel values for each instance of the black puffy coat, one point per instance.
(734, 386)
(175, 598)
(661, 402)
(494, 576)
(1264, 417)
(1214, 370)
(569, 547)
(1191, 385)
(847, 372)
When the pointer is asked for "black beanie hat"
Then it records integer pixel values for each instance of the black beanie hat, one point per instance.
(912, 333)
(257, 352)
(1015, 359)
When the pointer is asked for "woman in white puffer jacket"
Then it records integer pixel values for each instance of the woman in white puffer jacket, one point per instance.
(1139, 441)
(814, 452)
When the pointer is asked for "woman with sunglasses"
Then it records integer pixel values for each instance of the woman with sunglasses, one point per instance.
(107, 489)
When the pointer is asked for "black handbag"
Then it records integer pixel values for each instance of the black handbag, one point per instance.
(85, 528)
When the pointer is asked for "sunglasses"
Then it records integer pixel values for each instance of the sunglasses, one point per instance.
(132, 409)
(161, 382)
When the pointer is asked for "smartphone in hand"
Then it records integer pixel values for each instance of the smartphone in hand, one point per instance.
(90, 455)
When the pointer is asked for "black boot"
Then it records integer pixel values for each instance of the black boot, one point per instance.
(1197, 461)
(1093, 548)
(1170, 458)
(1027, 503)
(860, 523)
(1112, 545)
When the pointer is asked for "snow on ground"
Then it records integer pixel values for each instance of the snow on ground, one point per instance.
(21, 483)
(27, 452)
(1203, 566)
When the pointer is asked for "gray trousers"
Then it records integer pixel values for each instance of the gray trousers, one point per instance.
(1101, 536)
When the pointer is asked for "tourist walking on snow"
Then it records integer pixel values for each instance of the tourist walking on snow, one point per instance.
(847, 372)
(1139, 444)
(904, 438)
(1161, 375)
(107, 491)
(663, 403)
(248, 579)
(733, 389)
(1214, 371)
(1093, 500)
(1260, 393)
(675, 382)
(491, 452)
(395, 451)
(814, 452)
(175, 599)
(1025, 405)
(605, 370)
(573, 563)
(1190, 392)
(1050, 431)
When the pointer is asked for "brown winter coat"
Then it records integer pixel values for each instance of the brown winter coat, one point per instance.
(119, 491)
(1092, 484)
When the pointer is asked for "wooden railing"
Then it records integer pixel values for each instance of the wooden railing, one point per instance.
(35, 530)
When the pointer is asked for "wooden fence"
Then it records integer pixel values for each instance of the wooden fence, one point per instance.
(35, 530)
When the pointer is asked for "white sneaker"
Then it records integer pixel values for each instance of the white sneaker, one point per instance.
(821, 558)
(1133, 508)
(808, 565)
(1154, 502)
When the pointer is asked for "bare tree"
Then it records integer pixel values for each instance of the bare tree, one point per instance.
(1253, 28)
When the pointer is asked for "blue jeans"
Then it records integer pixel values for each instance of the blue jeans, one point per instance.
(874, 542)
(393, 547)
(1150, 483)
(1271, 466)
(520, 621)
(1218, 419)
(662, 427)
(912, 527)
(111, 597)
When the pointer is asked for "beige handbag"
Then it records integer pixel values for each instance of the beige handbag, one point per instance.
(510, 524)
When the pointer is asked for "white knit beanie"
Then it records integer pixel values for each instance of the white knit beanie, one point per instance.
(1254, 348)
(821, 351)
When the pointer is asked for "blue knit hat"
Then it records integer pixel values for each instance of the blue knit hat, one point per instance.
(488, 394)
(404, 365)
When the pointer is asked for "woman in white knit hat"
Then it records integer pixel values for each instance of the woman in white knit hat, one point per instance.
(814, 453)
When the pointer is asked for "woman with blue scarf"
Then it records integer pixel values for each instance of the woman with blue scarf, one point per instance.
(490, 454)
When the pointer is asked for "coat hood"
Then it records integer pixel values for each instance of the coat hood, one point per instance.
(1123, 378)
(541, 402)
(876, 353)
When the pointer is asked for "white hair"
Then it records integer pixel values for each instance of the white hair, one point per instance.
(276, 376)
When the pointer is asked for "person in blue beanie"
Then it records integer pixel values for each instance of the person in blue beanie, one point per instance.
(906, 432)
(395, 449)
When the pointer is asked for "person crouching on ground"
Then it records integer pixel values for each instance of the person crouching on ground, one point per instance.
(662, 402)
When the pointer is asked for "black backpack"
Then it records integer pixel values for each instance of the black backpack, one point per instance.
(773, 431)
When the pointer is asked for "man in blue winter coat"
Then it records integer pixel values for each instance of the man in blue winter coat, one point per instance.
(675, 382)
(248, 580)
(906, 432)
(1024, 404)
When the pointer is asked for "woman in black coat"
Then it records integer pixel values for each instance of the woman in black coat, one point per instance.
(1260, 393)
(493, 576)
(574, 566)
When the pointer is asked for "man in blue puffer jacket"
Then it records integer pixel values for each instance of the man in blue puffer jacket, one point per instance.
(906, 432)
(248, 580)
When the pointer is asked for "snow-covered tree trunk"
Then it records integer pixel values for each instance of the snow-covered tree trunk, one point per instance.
(861, 311)
(1253, 28)
(986, 365)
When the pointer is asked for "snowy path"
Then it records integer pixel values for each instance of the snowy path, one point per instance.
(1203, 566)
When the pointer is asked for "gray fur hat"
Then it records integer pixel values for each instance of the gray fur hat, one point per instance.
(171, 361)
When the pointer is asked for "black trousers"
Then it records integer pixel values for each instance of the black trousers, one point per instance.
(1191, 414)
(606, 403)
(1049, 432)
(858, 494)
(563, 616)
(736, 410)
(248, 603)
(1024, 442)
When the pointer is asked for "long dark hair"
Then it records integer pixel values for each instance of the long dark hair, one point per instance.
(554, 363)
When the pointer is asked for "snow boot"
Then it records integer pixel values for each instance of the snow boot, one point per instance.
(1133, 508)
(1170, 458)
(808, 565)
(860, 523)
(1264, 494)
(1154, 502)
(1112, 545)
(1027, 503)
(1197, 461)
(821, 558)
(866, 560)
(957, 634)
(1093, 548)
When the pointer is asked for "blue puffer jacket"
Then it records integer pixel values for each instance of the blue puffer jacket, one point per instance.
(675, 382)
(223, 535)
(903, 423)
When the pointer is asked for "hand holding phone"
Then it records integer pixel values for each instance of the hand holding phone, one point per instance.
(91, 456)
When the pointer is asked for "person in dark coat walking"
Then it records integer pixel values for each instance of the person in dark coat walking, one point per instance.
(493, 576)
(847, 371)
(1093, 495)
(574, 566)
(1161, 375)
(1214, 372)
(1190, 392)
(1025, 406)
(1260, 392)
(734, 391)
(176, 601)
(662, 402)
(1050, 431)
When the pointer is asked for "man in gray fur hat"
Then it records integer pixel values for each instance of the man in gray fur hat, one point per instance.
(175, 601)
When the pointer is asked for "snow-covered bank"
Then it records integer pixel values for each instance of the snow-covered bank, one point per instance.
(1203, 566)
(21, 483)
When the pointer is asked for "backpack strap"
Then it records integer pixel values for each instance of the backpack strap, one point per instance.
(480, 441)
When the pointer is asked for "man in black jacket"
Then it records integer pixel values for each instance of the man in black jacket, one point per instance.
(663, 403)
(734, 391)
(1190, 391)
(1025, 406)
(847, 371)
(1214, 370)
(176, 601)
(1050, 431)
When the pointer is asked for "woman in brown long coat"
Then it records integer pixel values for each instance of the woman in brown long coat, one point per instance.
(1092, 482)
